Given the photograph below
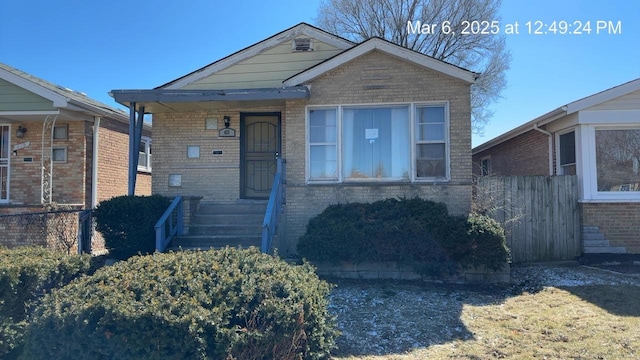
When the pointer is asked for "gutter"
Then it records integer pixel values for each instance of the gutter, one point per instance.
(541, 120)
(549, 137)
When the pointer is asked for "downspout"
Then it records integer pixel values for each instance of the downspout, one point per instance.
(549, 137)
(94, 160)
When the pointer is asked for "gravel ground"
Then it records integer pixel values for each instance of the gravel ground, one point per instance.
(384, 317)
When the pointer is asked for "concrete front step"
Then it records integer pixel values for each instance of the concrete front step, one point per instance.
(228, 219)
(604, 250)
(238, 209)
(217, 241)
(590, 229)
(225, 229)
(592, 236)
(595, 243)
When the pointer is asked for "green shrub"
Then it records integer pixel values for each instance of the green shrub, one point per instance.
(26, 274)
(417, 232)
(127, 223)
(217, 304)
(488, 245)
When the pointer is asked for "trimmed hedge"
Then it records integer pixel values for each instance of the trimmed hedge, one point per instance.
(217, 304)
(26, 274)
(127, 223)
(417, 232)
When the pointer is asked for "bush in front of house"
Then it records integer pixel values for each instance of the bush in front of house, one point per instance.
(26, 274)
(217, 304)
(417, 232)
(127, 223)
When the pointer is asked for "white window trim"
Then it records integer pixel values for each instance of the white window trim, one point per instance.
(447, 143)
(147, 145)
(589, 172)
(412, 131)
(557, 150)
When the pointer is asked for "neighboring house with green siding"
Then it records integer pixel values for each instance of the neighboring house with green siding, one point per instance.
(354, 122)
(58, 146)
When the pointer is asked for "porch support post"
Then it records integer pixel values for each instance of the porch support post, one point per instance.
(134, 143)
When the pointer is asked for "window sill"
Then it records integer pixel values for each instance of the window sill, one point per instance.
(144, 170)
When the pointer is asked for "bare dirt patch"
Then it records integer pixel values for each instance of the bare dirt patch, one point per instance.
(547, 311)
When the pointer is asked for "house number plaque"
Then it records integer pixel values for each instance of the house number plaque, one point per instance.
(227, 132)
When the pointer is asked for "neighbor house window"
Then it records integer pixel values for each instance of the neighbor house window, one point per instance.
(618, 159)
(323, 144)
(59, 154)
(144, 154)
(431, 142)
(61, 132)
(567, 144)
(374, 143)
(485, 166)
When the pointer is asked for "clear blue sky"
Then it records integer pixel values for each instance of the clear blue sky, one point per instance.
(97, 46)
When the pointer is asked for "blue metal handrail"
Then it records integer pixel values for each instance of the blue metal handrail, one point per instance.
(274, 206)
(170, 224)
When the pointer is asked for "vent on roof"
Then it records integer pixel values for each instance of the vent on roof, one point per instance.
(302, 44)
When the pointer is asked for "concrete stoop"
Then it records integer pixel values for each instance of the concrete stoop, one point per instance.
(594, 242)
(220, 225)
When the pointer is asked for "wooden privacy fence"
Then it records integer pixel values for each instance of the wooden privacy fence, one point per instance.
(540, 214)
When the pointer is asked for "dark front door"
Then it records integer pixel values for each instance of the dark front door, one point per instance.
(260, 143)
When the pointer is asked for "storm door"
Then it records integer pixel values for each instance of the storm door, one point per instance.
(259, 146)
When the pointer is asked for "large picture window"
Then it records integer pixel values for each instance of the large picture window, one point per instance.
(618, 159)
(374, 143)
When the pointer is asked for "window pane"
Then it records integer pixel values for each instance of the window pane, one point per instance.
(59, 154)
(568, 148)
(323, 162)
(430, 160)
(430, 132)
(376, 143)
(322, 126)
(618, 160)
(60, 132)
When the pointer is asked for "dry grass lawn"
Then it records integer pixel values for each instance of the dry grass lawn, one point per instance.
(571, 313)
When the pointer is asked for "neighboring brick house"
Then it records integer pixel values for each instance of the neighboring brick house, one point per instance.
(355, 123)
(59, 147)
(596, 138)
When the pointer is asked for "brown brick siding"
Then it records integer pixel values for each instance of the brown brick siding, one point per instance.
(72, 180)
(525, 154)
(619, 222)
(113, 162)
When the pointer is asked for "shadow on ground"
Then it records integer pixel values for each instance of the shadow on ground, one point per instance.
(368, 314)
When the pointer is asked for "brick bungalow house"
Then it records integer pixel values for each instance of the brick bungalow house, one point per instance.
(58, 146)
(596, 138)
(355, 122)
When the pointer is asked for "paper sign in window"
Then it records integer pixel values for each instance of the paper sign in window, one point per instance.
(371, 134)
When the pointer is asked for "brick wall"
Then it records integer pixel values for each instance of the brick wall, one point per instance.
(376, 78)
(525, 154)
(214, 177)
(619, 222)
(113, 162)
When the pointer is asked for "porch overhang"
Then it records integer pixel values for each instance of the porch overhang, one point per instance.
(168, 99)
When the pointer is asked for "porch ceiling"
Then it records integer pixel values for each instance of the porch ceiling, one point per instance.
(163, 100)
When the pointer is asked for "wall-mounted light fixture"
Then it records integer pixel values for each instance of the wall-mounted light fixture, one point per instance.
(20, 131)
(227, 121)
